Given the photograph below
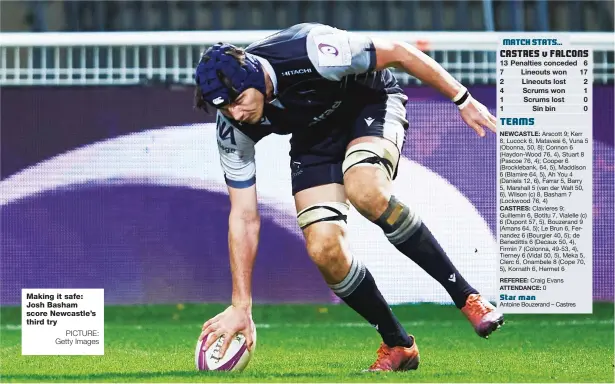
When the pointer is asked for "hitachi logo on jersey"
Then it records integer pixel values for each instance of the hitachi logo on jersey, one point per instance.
(297, 72)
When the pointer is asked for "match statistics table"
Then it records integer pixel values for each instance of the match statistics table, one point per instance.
(544, 110)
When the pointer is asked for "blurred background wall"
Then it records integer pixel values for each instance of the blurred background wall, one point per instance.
(469, 15)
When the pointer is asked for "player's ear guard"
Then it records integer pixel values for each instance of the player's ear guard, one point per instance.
(334, 212)
(373, 155)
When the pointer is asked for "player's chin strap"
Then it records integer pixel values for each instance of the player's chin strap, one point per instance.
(462, 98)
(334, 212)
(372, 155)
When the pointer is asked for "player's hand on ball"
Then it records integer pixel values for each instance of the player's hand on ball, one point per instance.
(228, 323)
(477, 116)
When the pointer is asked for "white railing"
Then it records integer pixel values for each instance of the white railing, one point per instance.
(118, 58)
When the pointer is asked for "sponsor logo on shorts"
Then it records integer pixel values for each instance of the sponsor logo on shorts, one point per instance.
(296, 169)
(294, 174)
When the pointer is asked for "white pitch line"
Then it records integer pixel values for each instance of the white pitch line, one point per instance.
(10, 327)
(565, 323)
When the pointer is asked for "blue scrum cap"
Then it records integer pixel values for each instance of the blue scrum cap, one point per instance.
(221, 77)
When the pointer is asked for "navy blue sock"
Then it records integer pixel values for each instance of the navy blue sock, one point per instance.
(359, 291)
(411, 237)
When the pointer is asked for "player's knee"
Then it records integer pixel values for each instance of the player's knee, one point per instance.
(372, 155)
(324, 245)
(368, 170)
(324, 227)
(364, 191)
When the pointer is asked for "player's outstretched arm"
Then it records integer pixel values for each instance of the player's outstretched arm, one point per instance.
(243, 236)
(413, 61)
(244, 229)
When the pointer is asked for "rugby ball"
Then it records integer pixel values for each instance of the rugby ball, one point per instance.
(236, 358)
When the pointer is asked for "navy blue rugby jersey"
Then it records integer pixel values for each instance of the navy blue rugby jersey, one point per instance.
(318, 72)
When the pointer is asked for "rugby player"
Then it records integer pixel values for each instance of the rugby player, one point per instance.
(332, 91)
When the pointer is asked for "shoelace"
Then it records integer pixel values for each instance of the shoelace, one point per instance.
(382, 352)
(479, 308)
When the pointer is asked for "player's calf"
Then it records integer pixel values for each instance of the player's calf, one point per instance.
(324, 229)
(408, 233)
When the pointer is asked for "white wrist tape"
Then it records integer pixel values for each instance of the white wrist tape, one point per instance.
(467, 101)
(462, 98)
(459, 94)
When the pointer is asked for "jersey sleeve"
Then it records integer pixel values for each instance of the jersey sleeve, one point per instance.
(236, 154)
(337, 53)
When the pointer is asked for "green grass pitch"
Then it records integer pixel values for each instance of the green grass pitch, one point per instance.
(308, 343)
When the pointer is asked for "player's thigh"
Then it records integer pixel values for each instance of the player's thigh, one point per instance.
(378, 136)
(373, 153)
(332, 192)
(317, 185)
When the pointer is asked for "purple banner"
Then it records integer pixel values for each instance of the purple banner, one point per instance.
(116, 188)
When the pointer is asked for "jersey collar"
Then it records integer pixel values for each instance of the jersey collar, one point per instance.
(267, 67)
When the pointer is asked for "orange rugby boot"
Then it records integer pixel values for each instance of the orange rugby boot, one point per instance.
(484, 317)
(396, 358)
